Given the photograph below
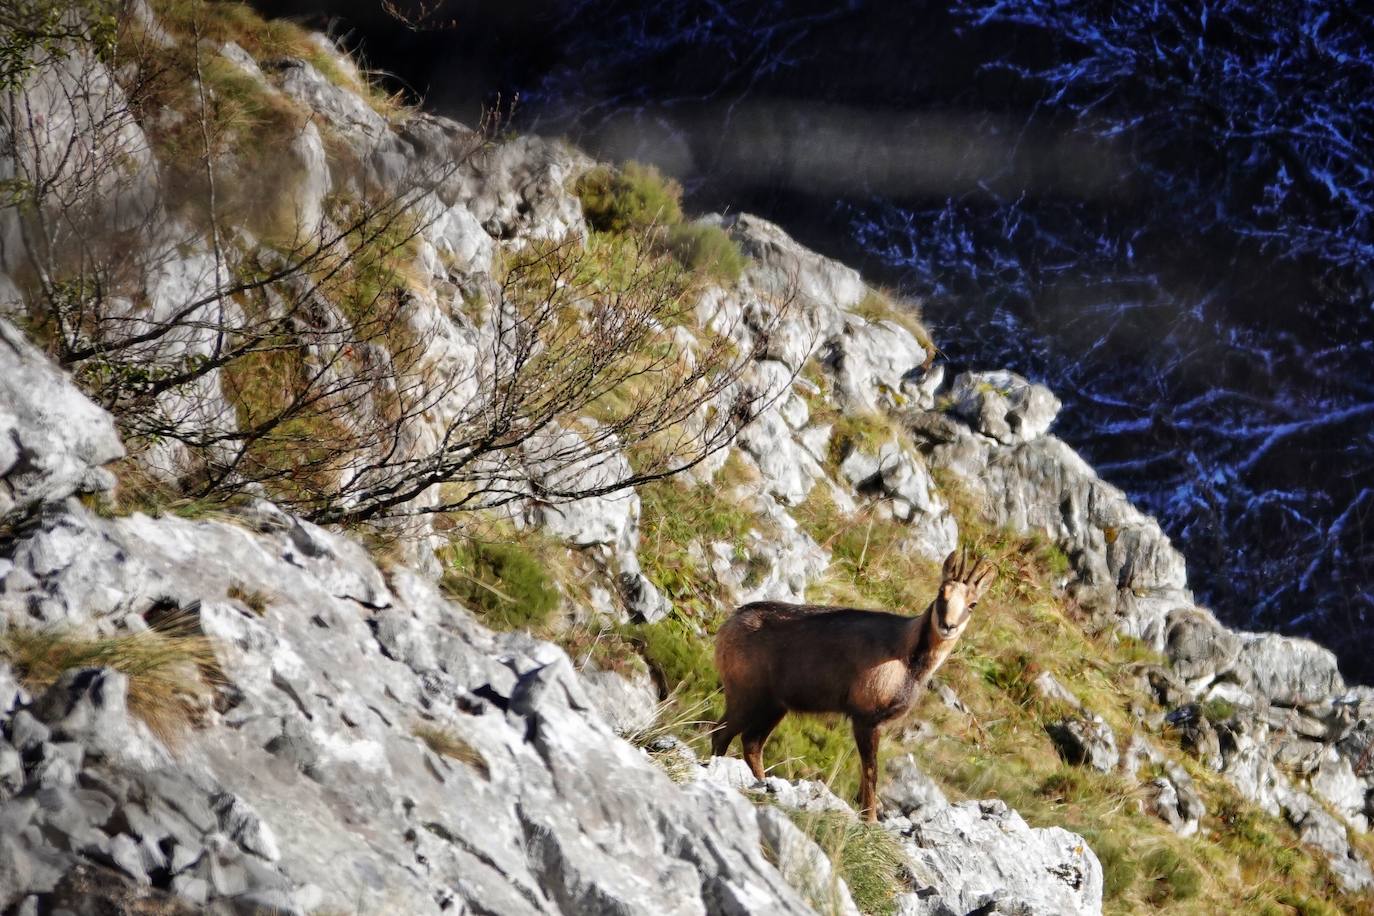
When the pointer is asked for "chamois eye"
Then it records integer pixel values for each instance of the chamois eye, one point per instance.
(972, 605)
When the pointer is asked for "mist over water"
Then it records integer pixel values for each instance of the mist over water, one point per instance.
(1166, 214)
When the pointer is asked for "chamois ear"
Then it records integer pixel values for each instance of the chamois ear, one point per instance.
(952, 564)
(983, 575)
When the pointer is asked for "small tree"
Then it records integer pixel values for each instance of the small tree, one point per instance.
(303, 358)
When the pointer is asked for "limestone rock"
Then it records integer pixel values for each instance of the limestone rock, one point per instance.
(77, 140)
(629, 704)
(53, 441)
(1197, 646)
(344, 111)
(560, 464)
(804, 864)
(907, 789)
(326, 686)
(1004, 405)
(979, 855)
(1049, 687)
(1290, 671)
(870, 360)
(1086, 740)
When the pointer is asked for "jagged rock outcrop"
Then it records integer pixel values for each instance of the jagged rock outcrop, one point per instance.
(980, 856)
(53, 441)
(368, 744)
(323, 693)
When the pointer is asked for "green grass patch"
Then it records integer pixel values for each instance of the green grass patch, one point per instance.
(675, 515)
(507, 582)
(707, 251)
(870, 562)
(866, 856)
(637, 200)
(633, 198)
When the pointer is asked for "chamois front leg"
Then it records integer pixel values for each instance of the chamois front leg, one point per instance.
(866, 737)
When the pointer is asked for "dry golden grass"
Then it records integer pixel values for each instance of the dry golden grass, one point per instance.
(448, 744)
(170, 668)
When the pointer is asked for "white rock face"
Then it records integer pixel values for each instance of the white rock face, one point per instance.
(1291, 672)
(555, 815)
(305, 787)
(313, 182)
(77, 139)
(1123, 560)
(907, 790)
(344, 111)
(53, 441)
(804, 864)
(901, 479)
(980, 854)
(1004, 405)
(556, 467)
(871, 360)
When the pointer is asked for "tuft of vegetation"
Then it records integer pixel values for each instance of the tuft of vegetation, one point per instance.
(678, 523)
(629, 199)
(1170, 875)
(254, 600)
(267, 40)
(637, 199)
(170, 667)
(707, 250)
(446, 743)
(601, 645)
(871, 564)
(672, 716)
(504, 581)
(866, 856)
(865, 432)
(879, 305)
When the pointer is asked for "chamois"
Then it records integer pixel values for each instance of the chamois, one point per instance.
(774, 658)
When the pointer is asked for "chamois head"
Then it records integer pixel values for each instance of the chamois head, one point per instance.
(966, 578)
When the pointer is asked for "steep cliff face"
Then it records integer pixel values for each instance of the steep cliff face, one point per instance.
(212, 702)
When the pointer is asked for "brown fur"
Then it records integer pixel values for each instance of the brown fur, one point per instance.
(776, 658)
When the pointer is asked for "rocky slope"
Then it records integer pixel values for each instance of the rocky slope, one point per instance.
(342, 735)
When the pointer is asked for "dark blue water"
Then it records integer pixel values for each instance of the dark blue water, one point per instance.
(1164, 212)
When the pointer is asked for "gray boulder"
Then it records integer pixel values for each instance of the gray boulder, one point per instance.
(804, 864)
(870, 360)
(1197, 646)
(1085, 740)
(908, 790)
(53, 441)
(541, 808)
(980, 856)
(1289, 671)
(1004, 405)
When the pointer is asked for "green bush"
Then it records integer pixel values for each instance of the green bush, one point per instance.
(503, 581)
(633, 198)
(682, 659)
(706, 250)
(1173, 878)
(639, 199)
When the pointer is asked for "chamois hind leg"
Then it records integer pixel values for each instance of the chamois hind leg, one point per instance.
(866, 738)
(761, 725)
(733, 721)
(724, 732)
